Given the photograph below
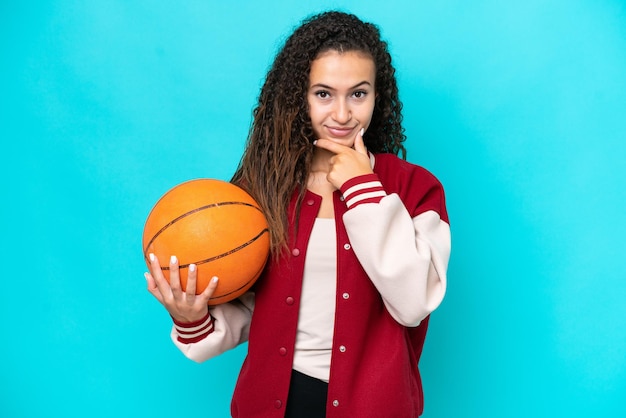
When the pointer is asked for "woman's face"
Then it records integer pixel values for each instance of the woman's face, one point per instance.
(341, 95)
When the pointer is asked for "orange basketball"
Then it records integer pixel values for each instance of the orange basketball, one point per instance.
(215, 225)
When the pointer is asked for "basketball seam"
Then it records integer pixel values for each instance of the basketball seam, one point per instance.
(226, 295)
(222, 255)
(196, 210)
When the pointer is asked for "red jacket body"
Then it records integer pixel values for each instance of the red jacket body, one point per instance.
(374, 367)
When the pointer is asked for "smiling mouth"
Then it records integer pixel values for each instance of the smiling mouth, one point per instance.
(338, 132)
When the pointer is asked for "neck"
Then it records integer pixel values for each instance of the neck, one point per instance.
(321, 160)
(317, 181)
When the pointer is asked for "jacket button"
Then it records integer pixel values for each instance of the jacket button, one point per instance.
(282, 351)
(295, 252)
(310, 202)
(342, 198)
(289, 300)
(346, 246)
(342, 348)
(335, 402)
(346, 295)
(278, 403)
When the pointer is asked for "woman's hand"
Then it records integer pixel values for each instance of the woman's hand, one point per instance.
(347, 162)
(183, 306)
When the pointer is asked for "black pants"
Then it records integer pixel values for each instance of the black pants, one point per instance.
(307, 397)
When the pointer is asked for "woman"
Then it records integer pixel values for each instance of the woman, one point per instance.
(360, 240)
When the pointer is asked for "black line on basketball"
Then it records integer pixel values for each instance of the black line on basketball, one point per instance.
(191, 212)
(227, 253)
(253, 278)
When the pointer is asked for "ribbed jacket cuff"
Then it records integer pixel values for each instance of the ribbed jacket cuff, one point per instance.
(362, 189)
(192, 332)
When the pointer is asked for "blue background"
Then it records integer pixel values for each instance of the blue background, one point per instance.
(519, 108)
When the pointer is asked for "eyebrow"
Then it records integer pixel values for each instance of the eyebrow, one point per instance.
(324, 86)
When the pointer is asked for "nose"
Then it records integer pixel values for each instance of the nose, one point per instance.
(342, 112)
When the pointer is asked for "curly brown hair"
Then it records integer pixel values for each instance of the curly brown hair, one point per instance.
(278, 154)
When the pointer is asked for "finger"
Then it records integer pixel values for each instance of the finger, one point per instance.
(157, 273)
(359, 145)
(210, 289)
(174, 276)
(192, 276)
(152, 287)
(330, 146)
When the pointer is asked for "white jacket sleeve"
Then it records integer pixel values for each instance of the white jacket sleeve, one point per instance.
(405, 257)
(225, 327)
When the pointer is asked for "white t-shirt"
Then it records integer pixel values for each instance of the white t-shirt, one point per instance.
(316, 318)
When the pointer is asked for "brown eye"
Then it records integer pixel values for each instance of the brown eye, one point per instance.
(322, 94)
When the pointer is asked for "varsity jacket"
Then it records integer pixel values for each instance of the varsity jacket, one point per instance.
(393, 246)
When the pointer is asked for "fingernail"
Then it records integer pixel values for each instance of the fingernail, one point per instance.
(214, 279)
(315, 142)
(146, 275)
(173, 259)
(151, 257)
(192, 267)
(362, 132)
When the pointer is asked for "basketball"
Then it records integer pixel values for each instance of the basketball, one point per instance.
(215, 225)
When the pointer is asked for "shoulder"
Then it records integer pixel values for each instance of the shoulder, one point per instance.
(417, 187)
(391, 168)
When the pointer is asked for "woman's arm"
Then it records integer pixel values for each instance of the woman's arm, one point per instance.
(224, 327)
(406, 256)
(198, 332)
